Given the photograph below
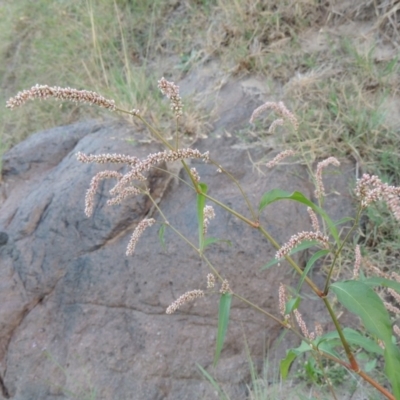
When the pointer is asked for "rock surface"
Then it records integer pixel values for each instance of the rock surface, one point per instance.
(79, 317)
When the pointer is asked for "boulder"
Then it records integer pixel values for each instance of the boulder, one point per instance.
(79, 318)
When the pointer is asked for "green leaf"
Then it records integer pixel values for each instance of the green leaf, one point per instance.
(223, 321)
(392, 367)
(353, 337)
(278, 194)
(319, 254)
(291, 355)
(376, 281)
(161, 233)
(212, 240)
(201, 201)
(370, 365)
(361, 300)
(302, 246)
(291, 305)
(329, 348)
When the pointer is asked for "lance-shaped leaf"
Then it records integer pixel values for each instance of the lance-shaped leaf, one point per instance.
(310, 263)
(360, 299)
(353, 337)
(291, 355)
(223, 321)
(201, 201)
(377, 281)
(278, 194)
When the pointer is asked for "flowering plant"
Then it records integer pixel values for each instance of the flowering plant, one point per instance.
(356, 294)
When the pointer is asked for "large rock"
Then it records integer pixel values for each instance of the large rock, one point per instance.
(78, 316)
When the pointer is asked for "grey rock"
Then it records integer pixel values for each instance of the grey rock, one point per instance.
(78, 317)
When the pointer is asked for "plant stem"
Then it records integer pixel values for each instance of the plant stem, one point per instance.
(353, 363)
(339, 250)
(291, 262)
(236, 182)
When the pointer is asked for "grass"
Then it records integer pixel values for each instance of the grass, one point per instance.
(340, 91)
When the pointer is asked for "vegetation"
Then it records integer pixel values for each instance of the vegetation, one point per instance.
(341, 87)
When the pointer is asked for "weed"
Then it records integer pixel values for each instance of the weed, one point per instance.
(356, 295)
(338, 92)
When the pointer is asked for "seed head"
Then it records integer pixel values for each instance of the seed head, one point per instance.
(319, 331)
(280, 157)
(171, 90)
(295, 240)
(58, 93)
(314, 219)
(154, 159)
(357, 263)
(394, 294)
(107, 158)
(391, 308)
(396, 330)
(208, 215)
(94, 184)
(210, 281)
(225, 287)
(281, 110)
(320, 190)
(195, 175)
(370, 189)
(282, 300)
(303, 326)
(137, 233)
(186, 297)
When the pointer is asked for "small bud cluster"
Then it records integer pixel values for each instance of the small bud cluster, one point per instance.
(390, 307)
(396, 330)
(319, 331)
(208, 214)
(195, 175)
(124, 187)
(171, 90)
(280, 157)
(320, 190)
(58, 93)
(210, 281)
(295, 240)
(154, 159)
(357, 263)
(186, 297)
(282, 301)
(107, 158)
(123, 194)
(277, 122)
(94, 184)
(370, 189)
(314, 219)
(303, 326)
(394, 294)
(375, 270)
(281, 110)
(225, 287)
(141, 227)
